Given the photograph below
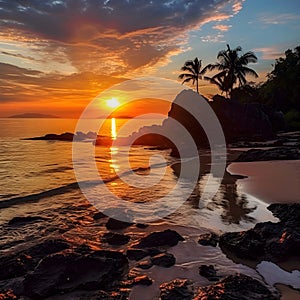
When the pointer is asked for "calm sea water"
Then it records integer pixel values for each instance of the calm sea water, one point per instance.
(29, 168)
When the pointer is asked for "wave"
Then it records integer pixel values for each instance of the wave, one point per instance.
(75, 186)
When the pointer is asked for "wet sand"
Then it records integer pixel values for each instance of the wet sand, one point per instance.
(270, 181)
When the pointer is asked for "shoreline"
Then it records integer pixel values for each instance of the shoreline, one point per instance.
(189, 254)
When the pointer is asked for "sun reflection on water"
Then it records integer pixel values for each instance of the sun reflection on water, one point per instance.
(113, 162)
(113, 130)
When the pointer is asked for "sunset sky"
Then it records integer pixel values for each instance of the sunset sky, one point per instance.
(56, 56)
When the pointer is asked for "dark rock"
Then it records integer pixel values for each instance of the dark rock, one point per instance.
(142, 280)
(142, 226)
(154, 251)
(113, 224)
(47, 247)
(165, 260)
(68, 271)
(145, 264)
(24, 220)
(138, 280)
(284, 153)
(115, 238)
(19, 264)
(208, 239)
(287, 213)
(208, 272)
(178, 289)
(244, 244)
(121, 294)
(12, 266)
(136, 254)
(235, 287)
(239, 121)
(159, 239)
(99, 215)
(67, 136)
(250, 122)
(8, 295)
(271, 241)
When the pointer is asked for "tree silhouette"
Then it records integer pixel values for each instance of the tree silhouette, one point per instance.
(233, 68)
(192, 72)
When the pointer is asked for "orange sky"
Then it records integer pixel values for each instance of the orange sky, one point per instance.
(57, 56)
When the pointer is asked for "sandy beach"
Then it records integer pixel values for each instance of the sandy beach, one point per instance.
(270, 181)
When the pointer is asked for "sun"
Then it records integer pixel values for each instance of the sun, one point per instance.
(113, 103)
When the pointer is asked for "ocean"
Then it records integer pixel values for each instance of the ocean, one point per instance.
(43, 170)
(37, 180)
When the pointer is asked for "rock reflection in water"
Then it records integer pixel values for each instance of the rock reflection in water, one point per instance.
(232, 206)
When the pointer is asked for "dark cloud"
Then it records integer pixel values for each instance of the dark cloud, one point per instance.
(61, 20)
(110, 35)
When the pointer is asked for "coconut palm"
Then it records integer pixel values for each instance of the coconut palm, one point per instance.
(192, 72)
(233, 68)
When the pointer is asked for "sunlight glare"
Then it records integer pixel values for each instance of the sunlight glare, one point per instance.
(113, 103)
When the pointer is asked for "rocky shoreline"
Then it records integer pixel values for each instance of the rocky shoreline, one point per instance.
(57, 267)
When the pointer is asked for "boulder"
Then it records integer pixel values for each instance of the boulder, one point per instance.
(178, 289)
(99, 215)
(268, 241)
(164, 238)
(208, 239)
(136, 254)
(115, 238)
(142, 280)
(145, 264)
(288, 214)
(165, 260)
(15, 265)
(114, 224)
(67, 271)
(235, 287)
(138, 280)
(141, 225)
(208, 272)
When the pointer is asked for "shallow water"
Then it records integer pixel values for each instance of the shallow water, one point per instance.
(37, 179)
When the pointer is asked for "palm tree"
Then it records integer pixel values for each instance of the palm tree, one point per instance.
(233, 68)
(193, 72)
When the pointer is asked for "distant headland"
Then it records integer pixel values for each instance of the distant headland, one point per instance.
(34, 115)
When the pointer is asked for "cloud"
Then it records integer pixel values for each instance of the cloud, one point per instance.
(221, 27)
(37, 88)
(278, 19)
(269, 53)
(237, 6)
(214, 38)
(108, 36)
(68, 51)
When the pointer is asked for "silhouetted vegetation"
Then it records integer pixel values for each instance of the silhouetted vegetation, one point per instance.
(192, 72)
(281, 91)
(232, 69)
